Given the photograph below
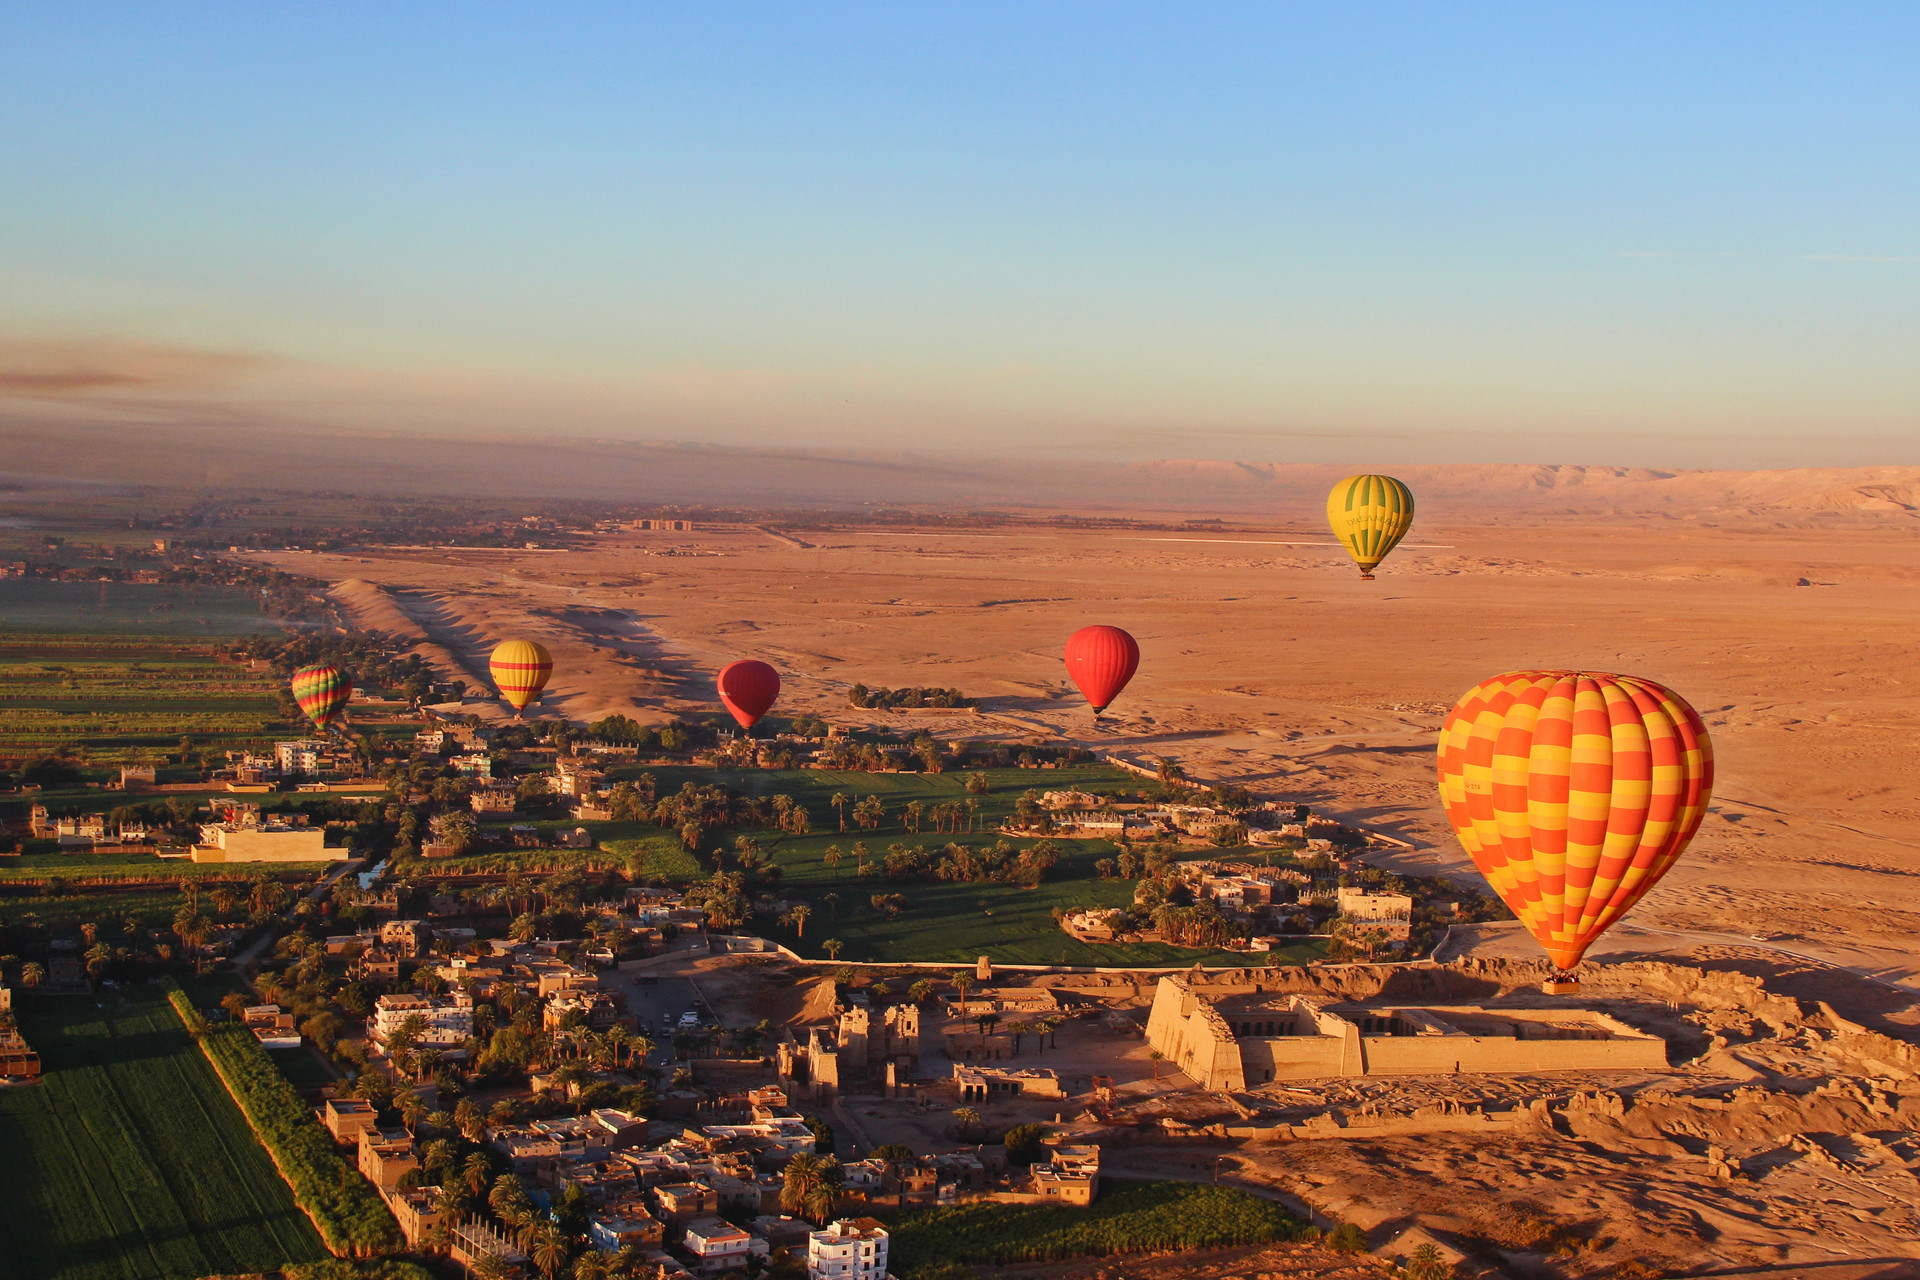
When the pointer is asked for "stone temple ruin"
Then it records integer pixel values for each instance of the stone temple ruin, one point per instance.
(1236, 1037)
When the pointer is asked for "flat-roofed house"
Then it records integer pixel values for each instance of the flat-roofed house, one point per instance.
(347, 1118)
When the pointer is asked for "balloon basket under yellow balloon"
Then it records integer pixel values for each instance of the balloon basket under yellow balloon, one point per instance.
(1560, 986)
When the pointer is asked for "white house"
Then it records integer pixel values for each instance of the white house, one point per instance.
(850, 1249)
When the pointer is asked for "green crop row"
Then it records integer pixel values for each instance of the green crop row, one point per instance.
(349, 1213)
(1129, 1217)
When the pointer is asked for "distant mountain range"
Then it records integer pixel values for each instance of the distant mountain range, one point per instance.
(51, 457)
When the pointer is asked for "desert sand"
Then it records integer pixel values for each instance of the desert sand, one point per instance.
(1267, 662)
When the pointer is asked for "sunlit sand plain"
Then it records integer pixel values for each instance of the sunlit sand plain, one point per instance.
(1274, 666)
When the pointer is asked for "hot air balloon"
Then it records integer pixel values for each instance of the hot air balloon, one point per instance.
(322, 691)
(520, 669)
(1370, 514)
(1101, 660)
(748, 688)
(1573, 792)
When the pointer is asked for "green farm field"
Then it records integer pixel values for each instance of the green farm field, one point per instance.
(128, 701)
(943, 921)
(129, 1161)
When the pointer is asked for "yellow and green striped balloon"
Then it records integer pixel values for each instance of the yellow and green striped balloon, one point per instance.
(322, 691)
(1370, 514)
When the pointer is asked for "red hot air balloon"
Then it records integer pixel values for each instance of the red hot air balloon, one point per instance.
(1101, 660)
(748, 688)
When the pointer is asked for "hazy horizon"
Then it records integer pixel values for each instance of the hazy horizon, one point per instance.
(1402, 234)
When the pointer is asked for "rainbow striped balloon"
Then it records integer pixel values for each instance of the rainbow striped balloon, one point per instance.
(1370, 514)
(322, 691)
(1573, 793)
(520, 669)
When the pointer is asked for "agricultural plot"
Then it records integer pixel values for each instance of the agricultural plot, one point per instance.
(66, 912)
(1129, 1217)
(946, 920)
(127, 701)
(129, 1161)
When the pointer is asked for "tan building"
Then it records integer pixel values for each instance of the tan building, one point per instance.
(220, 842)
(1072, 1176)
(17, 1060)
(1237, 1036)
(419, 1212)
(1391, 913)
(384, 1157)
(347, 1118)
(685, 1201)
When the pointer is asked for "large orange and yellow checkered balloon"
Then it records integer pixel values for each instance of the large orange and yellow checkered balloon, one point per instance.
(1573, 792)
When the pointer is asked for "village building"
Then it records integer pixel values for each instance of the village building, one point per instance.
(419, 1212)
(716, 1246)
(485, 800)
(268, 842)
(623, 1223)
(984, 1084)
(386, 1155)
(681, 1203)
(1071, 1176)
(849, 1249)
(271, 1025)
(347, 1118)
(448, 1020)
(17, 1060)
(1391, 913)
(1238, 1036)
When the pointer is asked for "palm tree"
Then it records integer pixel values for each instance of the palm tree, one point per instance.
(966, 1118)
(963, 983)
(549, 1251)
(477, 1171)
(839, 803)
(799, 917)
(802, 1172)
(833, 903)
(921, 991)
(591, 1265)
(489, 1267)
(833, 947)
(32, 975)
(1018, 1028)
(1157, 1058)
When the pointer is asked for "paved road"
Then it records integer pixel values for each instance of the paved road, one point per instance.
(266, 938)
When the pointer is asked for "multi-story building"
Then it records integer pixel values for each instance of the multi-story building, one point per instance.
(685, 1201)
(473, 1240)
(1391, 913)
(716, 1246)
(850, 1249)
(270, 842)
(347, 1118)
(448, 1018)
(418, 1211)
(1072, 1176)
(624, 1222)
(385, 1155)
(303, 755)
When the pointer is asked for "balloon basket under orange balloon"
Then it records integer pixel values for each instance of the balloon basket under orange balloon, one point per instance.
(1560, 986)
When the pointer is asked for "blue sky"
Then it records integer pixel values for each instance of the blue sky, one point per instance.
(1677, 235)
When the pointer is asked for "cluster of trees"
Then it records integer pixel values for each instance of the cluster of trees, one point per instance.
(625, 731)
(1129, 1217)
(882, 699)
(347, 1210)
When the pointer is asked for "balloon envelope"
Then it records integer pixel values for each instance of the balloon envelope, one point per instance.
(322, 691)
(520, 669)
(748, 688)
(1370, 514)
(1101, 660)
(1573, 792)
